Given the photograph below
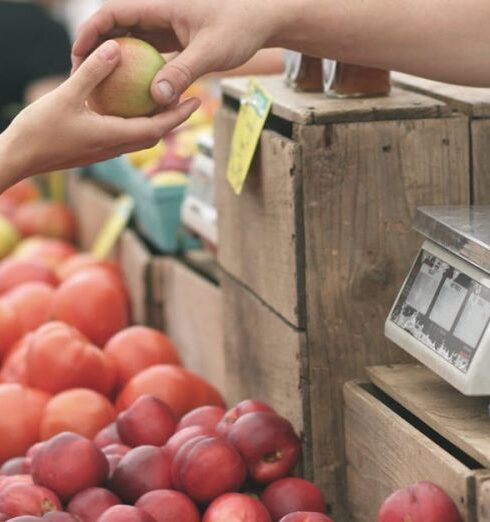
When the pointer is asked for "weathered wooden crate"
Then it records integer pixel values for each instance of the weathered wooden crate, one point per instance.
(188, 307)
(165, 293)
(475, 103)
(93, 205)
(321, 238)
(408, 425)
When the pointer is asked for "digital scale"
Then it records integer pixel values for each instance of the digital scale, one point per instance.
(442, 313)
(198, 212)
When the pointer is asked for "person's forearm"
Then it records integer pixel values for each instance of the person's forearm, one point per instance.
(12, 161)
(445, 40)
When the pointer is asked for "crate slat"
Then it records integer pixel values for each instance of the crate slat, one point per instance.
(385, 453)
(462, 420)
(258, 230)
(316, 108)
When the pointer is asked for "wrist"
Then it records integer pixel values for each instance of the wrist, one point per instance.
(13, 160)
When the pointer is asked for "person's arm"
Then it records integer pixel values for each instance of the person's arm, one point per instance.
(441, 39)
(445, 40)
(10, 162)
(59, 130)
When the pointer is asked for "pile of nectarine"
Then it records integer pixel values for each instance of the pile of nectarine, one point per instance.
(149, 465)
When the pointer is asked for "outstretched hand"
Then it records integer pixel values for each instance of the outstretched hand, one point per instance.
(59, 130)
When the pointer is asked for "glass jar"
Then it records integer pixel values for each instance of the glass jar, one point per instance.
(304, 73)
(356, 81)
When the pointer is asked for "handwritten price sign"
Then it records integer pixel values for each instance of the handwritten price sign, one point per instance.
(255, 107)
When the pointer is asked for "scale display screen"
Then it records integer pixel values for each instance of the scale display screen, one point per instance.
(444, 309)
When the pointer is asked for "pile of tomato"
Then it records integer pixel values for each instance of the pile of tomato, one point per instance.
(69, 358)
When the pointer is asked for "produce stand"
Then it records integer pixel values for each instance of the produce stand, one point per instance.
(318, 243)
(180, 296)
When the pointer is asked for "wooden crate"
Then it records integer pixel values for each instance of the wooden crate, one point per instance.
(408, 425)
(165, 293)
(321, 235)
(93, 205)
(188, 307)
(265, 359)
(475, 103)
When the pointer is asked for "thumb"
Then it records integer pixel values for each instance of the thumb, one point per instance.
(178, 74)
(95, 69)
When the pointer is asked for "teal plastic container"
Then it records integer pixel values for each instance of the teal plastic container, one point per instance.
(157, 208)
(116, 172)
(157, 213)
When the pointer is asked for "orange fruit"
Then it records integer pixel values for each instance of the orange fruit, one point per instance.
(93, 301)
(79, 410)
(136, 348)
(14, 368)
(60, 357)
(179, 388)
(22, 409)
(32, 302)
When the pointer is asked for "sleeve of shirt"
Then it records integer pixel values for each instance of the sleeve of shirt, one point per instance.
(50, 52)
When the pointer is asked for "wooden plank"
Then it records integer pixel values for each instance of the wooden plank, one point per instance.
(385, 452)
(460, 419)
(135, 260)
(261, 242)
(92, 206)
(480, 139)
(472, 101)
(363, 185)
(191, 309)
(315, 108)
(264, 356)
(204, 262)
(482, 495)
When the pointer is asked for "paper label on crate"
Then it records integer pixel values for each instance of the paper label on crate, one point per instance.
(255, 107)
(113, 227)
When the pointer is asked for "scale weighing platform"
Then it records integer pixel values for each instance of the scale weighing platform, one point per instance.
(442, 313)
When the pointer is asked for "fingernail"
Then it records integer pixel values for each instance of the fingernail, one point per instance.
(166, 90)
(108, 50)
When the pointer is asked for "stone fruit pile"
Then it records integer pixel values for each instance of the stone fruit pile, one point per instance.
(99, 421)
(151, 465)
(69, 357)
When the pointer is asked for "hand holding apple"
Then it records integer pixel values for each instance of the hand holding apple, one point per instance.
(73, 134)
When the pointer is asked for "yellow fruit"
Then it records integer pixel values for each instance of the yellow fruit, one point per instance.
(9, 237)
(144, 157)
(126, 91)
(187, 140)
(169, 178)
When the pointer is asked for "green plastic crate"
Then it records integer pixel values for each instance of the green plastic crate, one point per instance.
(157, 213)
(116, 172)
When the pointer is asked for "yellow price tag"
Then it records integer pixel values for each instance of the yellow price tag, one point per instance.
(255, 107)
(113, 227)
(57, 185)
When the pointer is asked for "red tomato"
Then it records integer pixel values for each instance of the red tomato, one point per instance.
(93, 302)
(59, 357)
(138, 347)
(14, 272)
(32, 302)
(20, 420)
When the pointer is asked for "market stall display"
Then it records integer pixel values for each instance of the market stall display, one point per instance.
(317, 244)
(220, 327)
